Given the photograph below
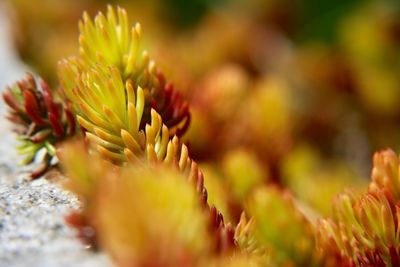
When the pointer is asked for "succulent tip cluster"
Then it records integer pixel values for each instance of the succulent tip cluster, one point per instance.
(365, 228)
(282, 229)
(142, 210)
(39, 120)
(110, 41)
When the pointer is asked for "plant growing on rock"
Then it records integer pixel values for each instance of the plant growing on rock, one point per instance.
(144, 199)
(121, 108)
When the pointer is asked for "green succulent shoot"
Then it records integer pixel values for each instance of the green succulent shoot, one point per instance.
(110, 41)
(279, 228)
(110, 113)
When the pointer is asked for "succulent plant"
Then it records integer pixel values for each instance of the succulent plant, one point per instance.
(143, 197)
(110, 42)
(139, 211)
(150, 146)
(40, 121)
(167, 221)
(364, 230)
(91, 178)
(385, 175)
(111, 113)
(260, 125)
(282, 229)
(247, 242)
(116, 103)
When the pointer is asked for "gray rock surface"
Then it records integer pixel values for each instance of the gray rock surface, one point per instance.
(32, 228)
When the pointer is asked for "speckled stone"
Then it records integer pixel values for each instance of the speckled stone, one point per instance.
(32, 227)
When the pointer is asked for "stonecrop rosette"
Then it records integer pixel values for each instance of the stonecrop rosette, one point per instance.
(109, 41)
(364, 230)
(142, 215)
(40, 121)
(278, 229)
(110, 113)
(86, 173)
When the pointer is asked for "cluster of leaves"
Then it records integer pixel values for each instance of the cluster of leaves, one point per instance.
(40, 121)
(108, 41)
(108, 47)
(135, 215)
(365, 228)
(144, 199)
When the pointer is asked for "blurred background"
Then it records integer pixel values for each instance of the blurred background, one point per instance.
(297, 93)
